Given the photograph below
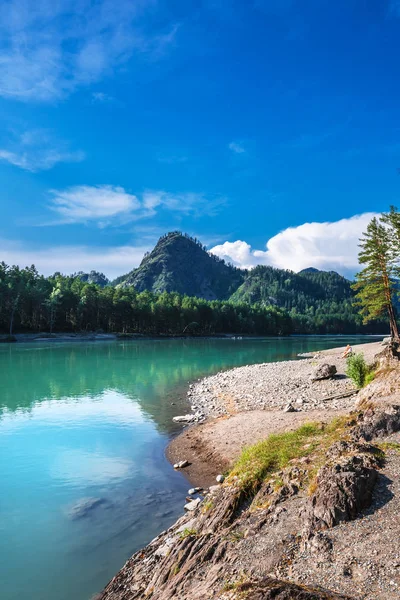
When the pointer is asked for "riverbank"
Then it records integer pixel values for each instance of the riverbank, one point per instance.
(294, 534)
(246, 404)
(87, 336)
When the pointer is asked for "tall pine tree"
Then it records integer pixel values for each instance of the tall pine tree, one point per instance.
(374, 284)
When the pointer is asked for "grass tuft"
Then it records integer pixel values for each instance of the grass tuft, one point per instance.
(274, 453)
(187, 533)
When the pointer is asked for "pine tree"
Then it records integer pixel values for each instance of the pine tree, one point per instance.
(374, 284)
(392, 221)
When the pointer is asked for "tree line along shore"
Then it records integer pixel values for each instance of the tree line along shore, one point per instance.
(30, 302)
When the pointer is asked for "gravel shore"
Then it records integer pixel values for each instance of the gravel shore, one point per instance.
(272, 386)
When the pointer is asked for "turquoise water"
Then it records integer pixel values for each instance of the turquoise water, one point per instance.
(91, 420)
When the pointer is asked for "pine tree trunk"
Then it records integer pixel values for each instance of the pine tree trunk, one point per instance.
(393, 325)
(394, 332)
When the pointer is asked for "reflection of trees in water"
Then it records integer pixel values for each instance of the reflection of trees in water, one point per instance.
(148, 372)
(144, 371)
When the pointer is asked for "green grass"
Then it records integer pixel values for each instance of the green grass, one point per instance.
(274, 453)
(385, 446)
(187, 532)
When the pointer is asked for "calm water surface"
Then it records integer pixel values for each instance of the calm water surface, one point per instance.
(91, 420)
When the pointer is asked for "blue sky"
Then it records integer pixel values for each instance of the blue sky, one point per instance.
(270, 129)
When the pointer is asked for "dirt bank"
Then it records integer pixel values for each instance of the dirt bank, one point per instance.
(212, 447)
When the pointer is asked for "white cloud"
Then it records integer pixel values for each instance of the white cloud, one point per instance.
(326, 246)
(105, 203)
(112, 261)
(87, 203)
(237, 148)
(186, 202)
(51, 47)
(38, 150)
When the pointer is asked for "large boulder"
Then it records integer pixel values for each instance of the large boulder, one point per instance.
(324, 371)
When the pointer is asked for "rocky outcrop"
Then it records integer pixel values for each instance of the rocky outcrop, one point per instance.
(271, 589)
(344, 486)
(230, 532)
(374, 423)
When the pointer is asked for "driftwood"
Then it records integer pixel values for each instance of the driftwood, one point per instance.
(337, 397)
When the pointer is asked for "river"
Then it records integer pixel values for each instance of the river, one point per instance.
(83, 430)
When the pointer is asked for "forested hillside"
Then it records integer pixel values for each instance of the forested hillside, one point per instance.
(179, 263)
(317, 301)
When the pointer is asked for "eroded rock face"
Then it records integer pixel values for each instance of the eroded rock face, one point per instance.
(378, 423)
(272, 589)
(324, 371)
(344, 486)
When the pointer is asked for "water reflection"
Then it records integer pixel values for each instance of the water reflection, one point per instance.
(147, 372)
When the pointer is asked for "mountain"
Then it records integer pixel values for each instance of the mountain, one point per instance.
(290, 290)
(179, 263)
(93, 277)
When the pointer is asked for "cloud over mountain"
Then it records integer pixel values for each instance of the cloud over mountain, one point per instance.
(326, 246)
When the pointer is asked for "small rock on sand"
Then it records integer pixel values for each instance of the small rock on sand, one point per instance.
(181, 464)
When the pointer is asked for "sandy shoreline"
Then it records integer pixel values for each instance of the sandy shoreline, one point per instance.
(246, 404)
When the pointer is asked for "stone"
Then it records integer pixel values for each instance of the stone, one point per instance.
(324, 371)
(192, 505)
(190, 418)
(220, 478)
(165, 548)
(181, 464)
(289, 408)
(194, 490)
(186, 525)
(184, 419)
(84, 506)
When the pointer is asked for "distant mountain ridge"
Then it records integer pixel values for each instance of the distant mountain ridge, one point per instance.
(180, 263)
(315, 300)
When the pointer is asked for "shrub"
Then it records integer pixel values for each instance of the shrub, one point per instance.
(357, 369)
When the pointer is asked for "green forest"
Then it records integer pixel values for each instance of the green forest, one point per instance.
(30, 302)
